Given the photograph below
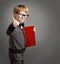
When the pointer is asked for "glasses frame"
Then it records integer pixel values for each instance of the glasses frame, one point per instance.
(23, 15)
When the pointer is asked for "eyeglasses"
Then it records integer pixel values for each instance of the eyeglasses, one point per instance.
(23, 15)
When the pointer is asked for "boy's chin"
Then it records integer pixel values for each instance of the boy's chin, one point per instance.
(21, 21)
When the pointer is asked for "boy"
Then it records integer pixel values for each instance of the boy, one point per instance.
(16, 34)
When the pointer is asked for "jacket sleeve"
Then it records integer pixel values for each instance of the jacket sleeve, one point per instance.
(10, 29)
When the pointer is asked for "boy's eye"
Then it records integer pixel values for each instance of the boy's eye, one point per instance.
(23, 15)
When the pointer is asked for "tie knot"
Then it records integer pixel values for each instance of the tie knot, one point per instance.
(21, 24)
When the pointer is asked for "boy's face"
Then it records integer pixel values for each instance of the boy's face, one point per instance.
(21, 16)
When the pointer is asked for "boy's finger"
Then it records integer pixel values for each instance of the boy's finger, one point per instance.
(34, 29)
(13, 18)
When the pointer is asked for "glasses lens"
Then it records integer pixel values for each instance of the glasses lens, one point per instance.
(27, 15)
(23, 15)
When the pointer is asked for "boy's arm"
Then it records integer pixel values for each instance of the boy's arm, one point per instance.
(10, 29)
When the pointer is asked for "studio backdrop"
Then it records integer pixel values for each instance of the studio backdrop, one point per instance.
(45, 16)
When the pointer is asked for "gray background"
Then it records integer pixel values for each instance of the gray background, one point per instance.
(45, 16)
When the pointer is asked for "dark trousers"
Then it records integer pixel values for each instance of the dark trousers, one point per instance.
(16, 58)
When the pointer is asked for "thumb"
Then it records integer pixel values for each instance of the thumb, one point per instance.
(13, 19)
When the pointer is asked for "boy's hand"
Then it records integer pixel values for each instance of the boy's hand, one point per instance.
(15, 22)
(34, 29)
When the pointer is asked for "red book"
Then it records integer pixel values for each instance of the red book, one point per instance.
(30, 36)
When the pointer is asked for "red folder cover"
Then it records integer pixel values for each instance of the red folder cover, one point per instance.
(30, 36)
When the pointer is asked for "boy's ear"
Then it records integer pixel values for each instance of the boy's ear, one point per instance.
(14, 15)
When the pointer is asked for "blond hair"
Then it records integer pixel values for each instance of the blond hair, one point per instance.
(20, 8)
